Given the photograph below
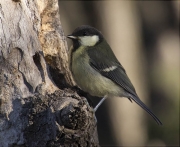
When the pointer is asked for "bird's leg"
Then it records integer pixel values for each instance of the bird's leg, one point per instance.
(101, 101)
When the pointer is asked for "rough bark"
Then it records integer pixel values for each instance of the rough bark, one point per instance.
(33, 110)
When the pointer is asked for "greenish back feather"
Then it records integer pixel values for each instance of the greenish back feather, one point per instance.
(102, 57)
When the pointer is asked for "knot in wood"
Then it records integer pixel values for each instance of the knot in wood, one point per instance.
(73, 116)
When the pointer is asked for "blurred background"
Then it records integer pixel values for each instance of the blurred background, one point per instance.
(144, 36)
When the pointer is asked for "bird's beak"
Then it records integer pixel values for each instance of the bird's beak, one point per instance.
(72, 37)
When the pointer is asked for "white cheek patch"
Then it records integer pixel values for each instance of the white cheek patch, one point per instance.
(109, 69)
(89, 40)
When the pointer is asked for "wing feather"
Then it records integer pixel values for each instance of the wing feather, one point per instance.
(102, 60)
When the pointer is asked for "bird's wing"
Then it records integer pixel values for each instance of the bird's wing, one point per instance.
(109, 66)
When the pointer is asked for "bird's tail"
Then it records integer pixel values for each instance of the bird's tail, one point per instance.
(142, 105)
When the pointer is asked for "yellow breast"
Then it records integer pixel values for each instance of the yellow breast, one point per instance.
(88, 79)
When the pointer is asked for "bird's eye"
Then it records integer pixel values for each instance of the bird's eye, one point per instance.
(84, 33)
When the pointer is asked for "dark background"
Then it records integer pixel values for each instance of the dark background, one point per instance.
(145, 38)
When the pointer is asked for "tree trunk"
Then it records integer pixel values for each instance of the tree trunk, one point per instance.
(33, 110)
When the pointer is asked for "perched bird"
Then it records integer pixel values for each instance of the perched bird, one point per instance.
(96, 69)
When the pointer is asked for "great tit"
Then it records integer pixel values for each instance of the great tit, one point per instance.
(96, 69)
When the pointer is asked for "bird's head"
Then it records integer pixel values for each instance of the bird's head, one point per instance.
(85, 36)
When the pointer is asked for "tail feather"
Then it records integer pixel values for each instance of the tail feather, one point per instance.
(142, 105)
